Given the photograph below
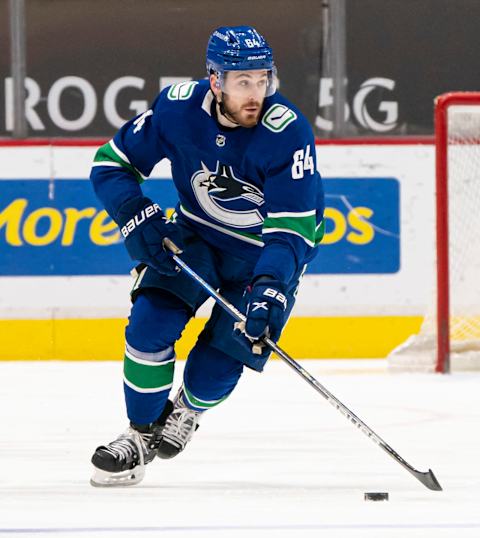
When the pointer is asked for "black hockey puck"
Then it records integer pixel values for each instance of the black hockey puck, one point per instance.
(376, 496)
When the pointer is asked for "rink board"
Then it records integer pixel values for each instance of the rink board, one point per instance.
(59, 228)
(304, 338)
(64, 273)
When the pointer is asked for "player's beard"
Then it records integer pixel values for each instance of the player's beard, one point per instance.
(242, 114)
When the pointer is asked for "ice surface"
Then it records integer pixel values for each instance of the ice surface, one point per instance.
(274, 460)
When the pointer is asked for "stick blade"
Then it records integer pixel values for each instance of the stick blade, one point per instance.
(428, 480)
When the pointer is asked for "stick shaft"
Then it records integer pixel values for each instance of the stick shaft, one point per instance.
(427, 479)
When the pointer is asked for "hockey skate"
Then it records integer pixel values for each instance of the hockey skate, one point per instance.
(179, 428)
(122, 462)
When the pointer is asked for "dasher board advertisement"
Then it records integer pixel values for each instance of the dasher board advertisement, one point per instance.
(59, 228)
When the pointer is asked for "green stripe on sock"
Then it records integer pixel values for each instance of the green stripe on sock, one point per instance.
(199, 403)
(146, 376)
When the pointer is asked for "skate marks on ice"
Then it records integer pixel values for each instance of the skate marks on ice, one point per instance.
(244, 530)
(273, 460)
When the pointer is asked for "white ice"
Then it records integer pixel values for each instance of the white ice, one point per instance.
(274, 460)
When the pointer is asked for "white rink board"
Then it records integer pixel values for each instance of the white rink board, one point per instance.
(405, 293)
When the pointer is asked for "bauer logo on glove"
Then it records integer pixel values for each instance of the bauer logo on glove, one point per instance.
(274, 294)
(144, 228)
(138, 219)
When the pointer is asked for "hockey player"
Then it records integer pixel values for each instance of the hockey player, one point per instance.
(249, 217)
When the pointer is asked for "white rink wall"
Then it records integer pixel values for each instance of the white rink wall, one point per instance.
(403, 294)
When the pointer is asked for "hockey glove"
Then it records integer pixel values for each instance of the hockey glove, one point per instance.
(265, 304)
(144, 226)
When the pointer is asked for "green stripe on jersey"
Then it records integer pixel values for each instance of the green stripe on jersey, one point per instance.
(319, 232)
(106, 154)
(148, 376)
(300, 225)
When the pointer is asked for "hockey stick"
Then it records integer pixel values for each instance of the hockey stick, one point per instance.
(426, 478)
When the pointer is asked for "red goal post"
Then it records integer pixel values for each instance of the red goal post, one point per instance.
(450, 334)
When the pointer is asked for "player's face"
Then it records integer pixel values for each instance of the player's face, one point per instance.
(243, 95)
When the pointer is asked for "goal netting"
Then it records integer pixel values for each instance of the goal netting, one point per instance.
(449, 338)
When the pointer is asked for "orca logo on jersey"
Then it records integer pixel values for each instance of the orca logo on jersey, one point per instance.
(226, 198)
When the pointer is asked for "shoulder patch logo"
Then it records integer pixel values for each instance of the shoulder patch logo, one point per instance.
(278, 117)
(181, 91)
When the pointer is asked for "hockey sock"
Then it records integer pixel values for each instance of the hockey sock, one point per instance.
(148, 378)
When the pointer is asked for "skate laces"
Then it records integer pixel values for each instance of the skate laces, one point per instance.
(181, 424)
(129, 445)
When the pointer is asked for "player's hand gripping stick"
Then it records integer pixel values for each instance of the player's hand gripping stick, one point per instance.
(144, 226)
(428, 479)
(265, 304)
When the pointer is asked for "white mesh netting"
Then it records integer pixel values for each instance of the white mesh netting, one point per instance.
(418, 353)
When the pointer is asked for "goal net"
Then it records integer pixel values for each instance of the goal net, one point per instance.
(449, 338)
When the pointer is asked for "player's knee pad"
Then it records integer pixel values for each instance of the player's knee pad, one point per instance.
(210, 375)
(218, 334)
(156, 320)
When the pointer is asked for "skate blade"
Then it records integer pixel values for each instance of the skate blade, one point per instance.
(104, 479)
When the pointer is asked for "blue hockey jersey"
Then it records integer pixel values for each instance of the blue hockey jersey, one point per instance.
(251, 192)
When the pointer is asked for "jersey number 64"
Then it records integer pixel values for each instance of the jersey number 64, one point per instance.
(302, 162)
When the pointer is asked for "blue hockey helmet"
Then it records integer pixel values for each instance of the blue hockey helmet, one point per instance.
(240, 48)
